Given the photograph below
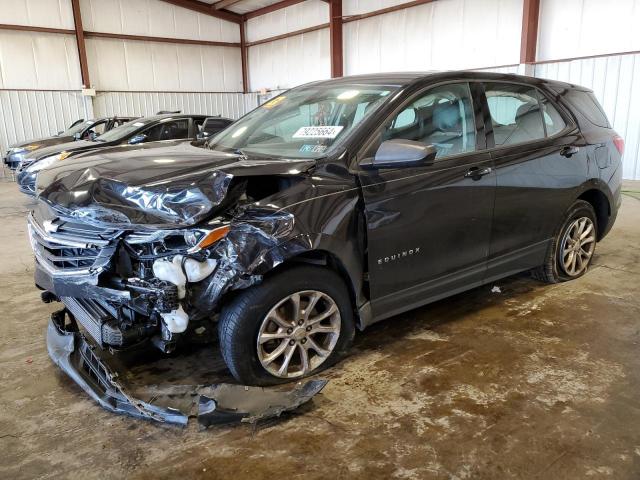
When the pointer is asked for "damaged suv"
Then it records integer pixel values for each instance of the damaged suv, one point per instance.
(330, 207)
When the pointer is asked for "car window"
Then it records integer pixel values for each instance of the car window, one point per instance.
(515, 113)
(553, 121)
(587, 104)
(168, 131)
(99, 128)
(94, 130)
(213, 126)
(442, 117)
(305, 122)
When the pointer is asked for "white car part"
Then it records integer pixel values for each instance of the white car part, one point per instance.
(172, 271)
(176, 320)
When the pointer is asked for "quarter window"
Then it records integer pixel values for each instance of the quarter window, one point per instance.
(442, 117)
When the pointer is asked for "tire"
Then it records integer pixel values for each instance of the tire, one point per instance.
(554, 270)
(251, 314)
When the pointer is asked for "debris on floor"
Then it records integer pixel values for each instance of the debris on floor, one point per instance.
(496, 289)
(211, 404)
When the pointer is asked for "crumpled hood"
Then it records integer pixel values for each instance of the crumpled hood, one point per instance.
(69, 146)
(154, 187)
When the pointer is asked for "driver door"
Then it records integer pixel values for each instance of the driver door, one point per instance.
(429, 226)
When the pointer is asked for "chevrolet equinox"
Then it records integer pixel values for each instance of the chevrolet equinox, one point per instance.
(330, 207)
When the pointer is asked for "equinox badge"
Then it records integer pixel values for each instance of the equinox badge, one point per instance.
(399, 255)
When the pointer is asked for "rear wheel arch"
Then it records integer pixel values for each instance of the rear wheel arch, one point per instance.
(602, 207)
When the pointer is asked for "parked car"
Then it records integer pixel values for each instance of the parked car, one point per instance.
(79, 130)
(332, 206)
(148, 129)
(210, 127)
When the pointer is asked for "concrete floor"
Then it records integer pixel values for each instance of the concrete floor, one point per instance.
(534, 382)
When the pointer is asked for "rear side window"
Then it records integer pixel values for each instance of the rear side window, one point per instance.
(515, 113)
(587, 104)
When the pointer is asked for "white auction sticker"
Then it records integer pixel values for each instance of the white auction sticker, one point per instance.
(329, 131)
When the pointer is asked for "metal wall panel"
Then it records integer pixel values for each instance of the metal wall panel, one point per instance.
(153, 66)
(442, 35)
(290, 62)
(615, 81)
(155, 19)
(578, 28)
(26, 114)
(39, 61)
(297, 17)
(39, 13)
(232, 105)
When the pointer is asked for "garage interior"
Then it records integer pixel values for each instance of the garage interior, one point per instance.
(513, 380)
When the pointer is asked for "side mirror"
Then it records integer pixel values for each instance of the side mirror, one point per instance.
(402, 153)
(202, 135)
(77, 136)
(141, 137)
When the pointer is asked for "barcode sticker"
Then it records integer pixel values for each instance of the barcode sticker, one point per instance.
(329, 131)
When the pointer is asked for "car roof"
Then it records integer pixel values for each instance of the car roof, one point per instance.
(155, 118)
(402, 79)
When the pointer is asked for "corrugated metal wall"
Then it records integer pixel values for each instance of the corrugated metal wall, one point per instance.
(616, 82)
(26, 114)
(232, 105)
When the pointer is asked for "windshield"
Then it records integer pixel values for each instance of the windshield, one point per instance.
(305, 122)
(121, 132)
(76, 128)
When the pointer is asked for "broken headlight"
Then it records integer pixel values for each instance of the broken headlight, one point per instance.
(168, 242)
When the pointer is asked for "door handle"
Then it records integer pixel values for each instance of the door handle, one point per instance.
(569, 150)
(477, 173)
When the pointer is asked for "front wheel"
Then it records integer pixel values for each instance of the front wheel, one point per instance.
(572, 248)
(292, 325)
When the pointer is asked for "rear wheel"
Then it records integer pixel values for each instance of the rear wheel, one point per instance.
(572, 249)
(292, 325)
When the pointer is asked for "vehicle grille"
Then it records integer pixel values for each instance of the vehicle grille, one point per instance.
(67, 248)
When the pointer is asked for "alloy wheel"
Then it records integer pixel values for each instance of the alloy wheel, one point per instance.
(298, 334)
(577, 247)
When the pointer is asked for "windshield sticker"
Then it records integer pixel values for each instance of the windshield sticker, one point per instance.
(275, 102)
(312, 148)
(318, 132)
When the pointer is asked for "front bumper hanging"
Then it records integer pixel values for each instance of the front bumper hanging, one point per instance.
(212, 405)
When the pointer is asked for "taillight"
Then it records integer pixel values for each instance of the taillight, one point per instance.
(618, 141)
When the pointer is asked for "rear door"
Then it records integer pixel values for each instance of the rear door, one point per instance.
(429, 227)
(539, 163)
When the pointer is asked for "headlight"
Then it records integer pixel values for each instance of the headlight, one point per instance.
(46, 161)
(167, 241)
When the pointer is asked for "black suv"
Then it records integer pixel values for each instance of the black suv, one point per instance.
(332, 206)
(147, 129)
(79, 130)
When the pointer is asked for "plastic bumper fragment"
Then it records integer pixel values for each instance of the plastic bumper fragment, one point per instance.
(212, 404)
(227, 403)
(73, 354)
